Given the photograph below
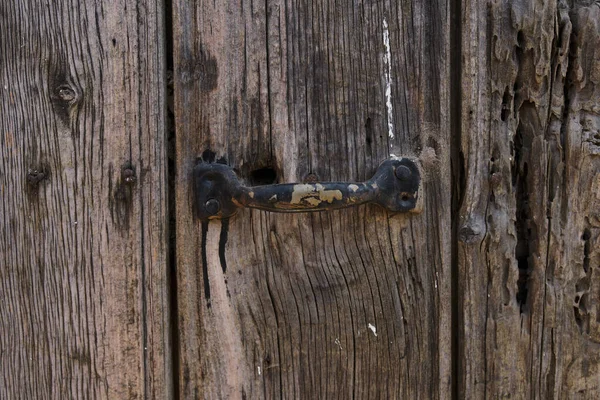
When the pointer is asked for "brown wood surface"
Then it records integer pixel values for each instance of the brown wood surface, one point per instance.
(280, 305)
(492, 291)
(83, 247)
(529, 224)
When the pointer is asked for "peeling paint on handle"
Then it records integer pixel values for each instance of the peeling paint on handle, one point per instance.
(314, 194)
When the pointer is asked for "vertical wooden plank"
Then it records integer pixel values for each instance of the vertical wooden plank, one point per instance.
(529, 219)
(351, 303)
(83, 246)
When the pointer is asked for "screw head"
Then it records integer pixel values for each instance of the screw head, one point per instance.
(129, 175)
(403, 172)
(212, 206)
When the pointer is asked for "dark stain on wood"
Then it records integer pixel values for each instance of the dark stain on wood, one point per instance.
(223, 243)
(200, 69)
(82, 356)
(35, 178)
(121, 200)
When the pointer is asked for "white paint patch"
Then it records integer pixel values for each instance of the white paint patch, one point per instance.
(387, 60)
(258, 370)
(313, 194)
(353, 187)
(373, 329)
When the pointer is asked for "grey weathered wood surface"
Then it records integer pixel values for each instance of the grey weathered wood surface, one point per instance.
(83, 294)
(529, 224)
(300, 87)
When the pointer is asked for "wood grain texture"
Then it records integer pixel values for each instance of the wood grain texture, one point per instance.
(83, 294)
(280, 306)
(529, 228)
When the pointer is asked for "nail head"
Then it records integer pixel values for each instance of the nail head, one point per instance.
(403, 172)
(212, 206)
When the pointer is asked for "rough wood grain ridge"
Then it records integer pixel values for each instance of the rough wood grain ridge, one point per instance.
(529, 224)
(83, 295)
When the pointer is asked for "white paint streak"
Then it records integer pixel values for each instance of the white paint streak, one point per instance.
(258, 371)
(338, 343)
(373, 329)
(387, 59)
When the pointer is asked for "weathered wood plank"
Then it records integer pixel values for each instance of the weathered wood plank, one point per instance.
(83, 294)
(281, 305)
(530, 214)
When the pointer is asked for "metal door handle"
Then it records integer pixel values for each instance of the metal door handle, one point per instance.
(219, 193)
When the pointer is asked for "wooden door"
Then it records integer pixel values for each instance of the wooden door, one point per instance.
(528, 227)
(111, 287)
(343, 304)
(84, 307)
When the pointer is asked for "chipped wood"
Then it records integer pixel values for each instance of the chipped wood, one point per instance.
(528, 253)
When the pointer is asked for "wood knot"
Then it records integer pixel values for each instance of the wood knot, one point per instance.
(66, 93)
(469, 233)
(65, 99)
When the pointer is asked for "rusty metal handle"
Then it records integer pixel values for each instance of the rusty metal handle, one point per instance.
(219, 193)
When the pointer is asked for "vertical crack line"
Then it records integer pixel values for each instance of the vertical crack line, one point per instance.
(522, 216)
(222, 243)
(143, 266)
(457, 185)
(168, 80)
(269, 93)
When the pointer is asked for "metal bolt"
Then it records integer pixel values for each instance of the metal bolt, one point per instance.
(212, 206)
(403, 172)
(129, 176)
